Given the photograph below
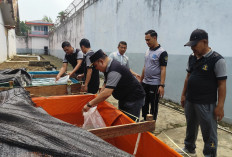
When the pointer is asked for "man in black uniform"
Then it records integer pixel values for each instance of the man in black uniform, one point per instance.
(74, 57)
(203, 94)
(120, 83)
(91, 75)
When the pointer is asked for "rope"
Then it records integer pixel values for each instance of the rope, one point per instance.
(137, 118)
(137, 144)
(176, 144)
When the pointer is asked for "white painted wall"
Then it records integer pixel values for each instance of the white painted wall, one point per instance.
(12, 43)
(107, 22)
(38, 44)
(3, 42)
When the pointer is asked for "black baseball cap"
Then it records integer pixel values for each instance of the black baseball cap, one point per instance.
(97, 55)
(196, 36)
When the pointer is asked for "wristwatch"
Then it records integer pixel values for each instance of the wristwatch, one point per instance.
(162, 85)
(89, 105)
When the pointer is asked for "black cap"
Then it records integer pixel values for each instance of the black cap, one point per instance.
(196, 36)
(96, 56)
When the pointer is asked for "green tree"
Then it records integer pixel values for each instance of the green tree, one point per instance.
(23, 28)
(62, 16)
(47, 19)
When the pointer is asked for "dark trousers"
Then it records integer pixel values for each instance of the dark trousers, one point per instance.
(132, 108)
(203, 115)
(152, 97)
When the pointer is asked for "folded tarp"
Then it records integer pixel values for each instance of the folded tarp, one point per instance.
(25, 129)
(19, 76)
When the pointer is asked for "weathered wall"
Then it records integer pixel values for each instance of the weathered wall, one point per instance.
(3, 40)
(72, 31)
(105, 23)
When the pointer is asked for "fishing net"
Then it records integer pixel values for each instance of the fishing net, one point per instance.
(29, 131)
(19, 76)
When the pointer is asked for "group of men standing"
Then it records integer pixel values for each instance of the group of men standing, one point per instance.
(204, 83)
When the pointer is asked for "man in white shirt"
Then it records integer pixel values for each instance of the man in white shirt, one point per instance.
(122, 58)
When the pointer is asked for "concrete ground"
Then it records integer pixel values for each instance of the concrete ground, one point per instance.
(170, 125)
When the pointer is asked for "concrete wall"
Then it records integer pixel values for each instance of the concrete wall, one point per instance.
(38, 44)
(72, 31)
(31, 45)
(3, 38)
(105, 23)
(12, 43)
(7, 41)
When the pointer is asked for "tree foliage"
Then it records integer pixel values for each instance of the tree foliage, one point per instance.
(62, 16)
(23, 28)
(47, 19)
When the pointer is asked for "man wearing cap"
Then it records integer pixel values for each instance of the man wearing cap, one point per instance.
(153, 74)
(204, 83)
(91, 75)
(122, 58)
(74, 57)
(120, 83)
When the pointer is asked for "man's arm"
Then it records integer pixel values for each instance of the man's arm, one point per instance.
(62, 71)
(79, 61)
(219, 110)
(88, 77)
(162, 80)
(142, 75)
(183, 95)
(103, 87)
(100, 97)
(135, 74)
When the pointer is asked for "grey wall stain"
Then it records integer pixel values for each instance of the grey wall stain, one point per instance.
(155, 6)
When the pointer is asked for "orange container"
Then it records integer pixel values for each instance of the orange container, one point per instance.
(69, 109)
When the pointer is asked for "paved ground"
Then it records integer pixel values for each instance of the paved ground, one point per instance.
(170, 124)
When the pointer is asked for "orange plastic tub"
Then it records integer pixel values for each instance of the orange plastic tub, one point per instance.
(69, 109)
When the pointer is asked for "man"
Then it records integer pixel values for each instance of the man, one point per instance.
(74, 57)
(122, 58)
(91, 75)
(153, 74)
(120, 83)
(205, 81)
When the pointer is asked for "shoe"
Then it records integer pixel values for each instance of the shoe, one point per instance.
(185, 152)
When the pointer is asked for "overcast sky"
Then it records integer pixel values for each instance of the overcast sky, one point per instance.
(36, 9)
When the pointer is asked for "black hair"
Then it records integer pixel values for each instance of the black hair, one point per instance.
(122, 42)
(152, 33)
(65, 43)
(85, 42)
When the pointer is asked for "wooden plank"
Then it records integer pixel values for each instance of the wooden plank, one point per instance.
(51, 90)
(121, 130)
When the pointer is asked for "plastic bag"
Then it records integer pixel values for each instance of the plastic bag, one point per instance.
(63, 80)
(93, 119)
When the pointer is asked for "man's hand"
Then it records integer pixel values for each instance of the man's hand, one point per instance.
(218, 113)
(85, 108)
(70, 74)
(80, 76)
(161, 91)
(57, 78)
(84, 88)
(138, 77)
(182, 100)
